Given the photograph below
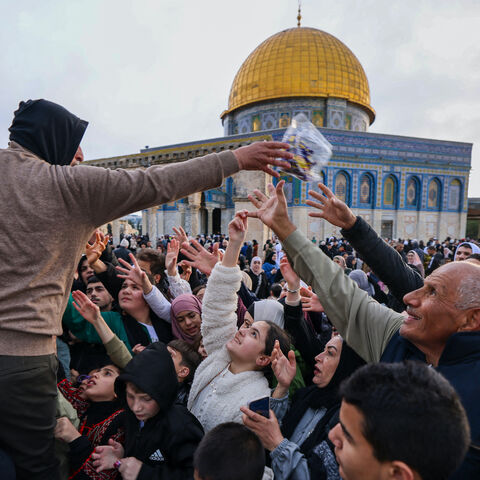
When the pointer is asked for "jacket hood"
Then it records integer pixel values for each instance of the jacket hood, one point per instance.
(48, 130)
(153, 372)
(475, 248)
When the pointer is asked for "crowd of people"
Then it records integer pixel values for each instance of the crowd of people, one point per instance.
(215, 357)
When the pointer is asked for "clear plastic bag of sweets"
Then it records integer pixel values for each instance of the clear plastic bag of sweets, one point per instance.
(310, 148)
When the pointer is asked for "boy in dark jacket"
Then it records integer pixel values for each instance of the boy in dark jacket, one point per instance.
(160, 436)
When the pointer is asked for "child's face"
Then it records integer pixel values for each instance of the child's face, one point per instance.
(100, 385)
(181, 370)
(140, 403)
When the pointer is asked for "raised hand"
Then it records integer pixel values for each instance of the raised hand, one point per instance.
(237, 228)
(134, 273)
(106, 455)
(85, 307)
(267, 429)
(332, 209)
(95, 250)
(260, 155)
(180, 235)
(284, 368)
(310, 301)
(186, 271)
(173, 247)
(272, 211)
(292, 279)
(199, 257)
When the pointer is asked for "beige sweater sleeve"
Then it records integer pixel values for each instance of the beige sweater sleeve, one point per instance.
(100, 195)
(366, 325)
(118, 352)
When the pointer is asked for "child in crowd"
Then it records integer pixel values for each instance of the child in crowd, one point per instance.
(161, 436)
(185, 357)
(233, 374)
(229, 451)
(101, 420)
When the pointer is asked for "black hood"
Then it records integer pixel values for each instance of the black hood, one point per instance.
(48, 130)
(153, 372)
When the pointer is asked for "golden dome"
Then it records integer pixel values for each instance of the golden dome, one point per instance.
(300, 62)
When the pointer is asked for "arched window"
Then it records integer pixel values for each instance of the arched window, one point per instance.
(434, 194)
(342, 187)
(366, 189)
(413, 192)
(454, 194)
(389, 192)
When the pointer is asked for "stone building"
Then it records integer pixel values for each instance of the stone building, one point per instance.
(403, 186)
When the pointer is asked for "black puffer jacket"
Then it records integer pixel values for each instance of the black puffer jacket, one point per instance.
(385, 261)
(167, 442)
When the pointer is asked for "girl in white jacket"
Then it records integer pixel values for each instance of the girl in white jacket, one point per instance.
(232, 375)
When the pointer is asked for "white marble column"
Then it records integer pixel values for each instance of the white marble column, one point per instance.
(152, 224)
(209, 221)
(116, 232)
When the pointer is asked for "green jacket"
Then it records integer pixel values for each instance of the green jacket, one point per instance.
(86, 332)
(366, 325)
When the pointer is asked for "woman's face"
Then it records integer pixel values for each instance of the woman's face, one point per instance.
(189, 322)
(99, 387)
(131, 298)
(326, 363)
(86, 271)
(248, 344)
(339, 261)
(256, 266)
(410, 257)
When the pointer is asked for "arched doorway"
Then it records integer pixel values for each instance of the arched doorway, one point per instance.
(216, 221)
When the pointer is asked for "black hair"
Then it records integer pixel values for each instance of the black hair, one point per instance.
(230, 451)
(411, 414)
(474, 256)
(190, 357)
(275, 333)
(276, 290)
(93, 279)
(156, 260)
(202, 286)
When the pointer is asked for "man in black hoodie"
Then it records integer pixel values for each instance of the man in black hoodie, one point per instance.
(161, 436)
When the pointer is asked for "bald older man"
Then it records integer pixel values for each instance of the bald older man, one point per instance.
(441, 328)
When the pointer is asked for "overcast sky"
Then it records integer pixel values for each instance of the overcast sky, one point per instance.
(158, 72)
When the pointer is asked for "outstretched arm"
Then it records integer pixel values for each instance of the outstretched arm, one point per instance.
(384, 260)
(366, 325)
(219, 321)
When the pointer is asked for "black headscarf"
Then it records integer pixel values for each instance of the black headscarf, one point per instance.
(325, 397)
(48, 130)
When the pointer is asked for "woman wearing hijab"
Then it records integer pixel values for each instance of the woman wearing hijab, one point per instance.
(270, 267)
(260, 284)
(351, 262)
(186, 316)
(414, 261)
(299, 450)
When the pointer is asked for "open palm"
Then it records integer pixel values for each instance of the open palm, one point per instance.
(270, 210)
(331, 208)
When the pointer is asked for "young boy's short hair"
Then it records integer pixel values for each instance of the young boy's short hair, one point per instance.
(190, 357)
(411, 414)
(232, 451)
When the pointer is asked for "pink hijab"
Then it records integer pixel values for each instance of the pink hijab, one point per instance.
(182, 303)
